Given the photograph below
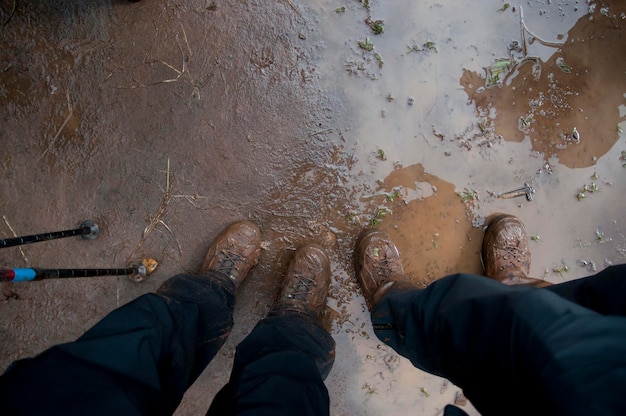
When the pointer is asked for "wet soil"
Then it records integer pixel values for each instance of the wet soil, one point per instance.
(547, 101)
(163, 122)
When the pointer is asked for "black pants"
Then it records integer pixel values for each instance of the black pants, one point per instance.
(559, 350)
(141, 358)
(514, 350)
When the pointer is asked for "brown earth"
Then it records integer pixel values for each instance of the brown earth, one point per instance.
(162, 123)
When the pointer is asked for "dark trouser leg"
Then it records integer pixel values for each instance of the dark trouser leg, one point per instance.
(604, 293)
(513, 350)
(139, 359)
(279, 369)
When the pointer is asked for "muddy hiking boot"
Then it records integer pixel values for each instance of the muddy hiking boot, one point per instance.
(305, 286)
(378, 266)
(505, 254)
(234, 251)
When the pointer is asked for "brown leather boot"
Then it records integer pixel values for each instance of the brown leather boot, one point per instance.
(505, 253)
(378, 266)
(234, 251)
(305, 286)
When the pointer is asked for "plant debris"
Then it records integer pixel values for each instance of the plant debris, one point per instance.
(497, 72)
(564, 67)
(504, 7)
(379, 215)
(585, 189)
(468, 195)
(352, 219)
(355, 67)
(380, 60)
(367, 45)
(391, 196)
(376, 25)
(11, 14)
(428, 45)
(560, 269)
(369, 388)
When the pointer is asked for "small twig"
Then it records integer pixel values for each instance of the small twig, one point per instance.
(15, 235)
(174, 69)
(436, 96)
(295, 9)
(6, 22)
(192, 200)
(167, 179)
(525, 29)
(320, 132)
(180, 250)
(186, 41)
(180, 72)
(522, 27)
(364, 197)
(56, 136)
(157, 218)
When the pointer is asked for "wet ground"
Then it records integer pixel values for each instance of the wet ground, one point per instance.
(165, 121)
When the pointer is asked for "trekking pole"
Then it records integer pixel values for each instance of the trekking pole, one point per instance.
(88, 230)
(136, 273)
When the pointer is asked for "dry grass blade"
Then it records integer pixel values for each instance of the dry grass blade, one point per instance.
(180, 249)
(158, 217)
(6, 22)
(56, 136)
(539, 39)
(295, 9)
(15, 235)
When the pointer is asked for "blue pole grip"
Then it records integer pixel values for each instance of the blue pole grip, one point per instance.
(24, 275)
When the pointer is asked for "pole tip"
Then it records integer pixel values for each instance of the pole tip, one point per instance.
(143, 270)
(94, 229)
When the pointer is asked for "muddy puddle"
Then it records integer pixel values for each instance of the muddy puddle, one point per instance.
(165, 122)
(438, 102)
(450, 107)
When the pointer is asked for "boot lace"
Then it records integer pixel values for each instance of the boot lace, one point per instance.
(383, 268)
(511, 256)
(231, 262)
(302, 288)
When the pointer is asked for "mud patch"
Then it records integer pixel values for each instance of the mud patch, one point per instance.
(568, 105)
(431, 226)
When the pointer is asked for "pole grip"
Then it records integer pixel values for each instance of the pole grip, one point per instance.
(17, 275)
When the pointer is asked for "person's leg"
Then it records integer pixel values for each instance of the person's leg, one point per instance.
(280, 367)
(513, 350)
(604, 292)
(506, 258)
(141, 357)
